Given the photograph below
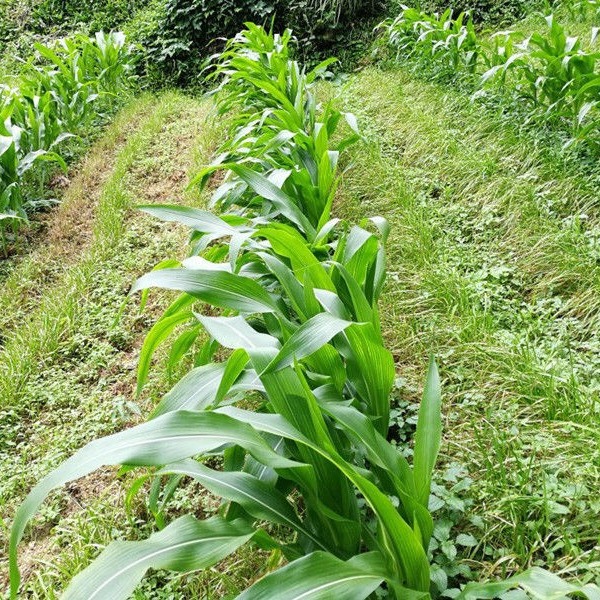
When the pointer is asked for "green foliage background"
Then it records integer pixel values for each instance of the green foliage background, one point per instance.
(189, 30)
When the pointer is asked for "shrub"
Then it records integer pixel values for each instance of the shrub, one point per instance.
(190, 30)
(491, 12)
(65, 14)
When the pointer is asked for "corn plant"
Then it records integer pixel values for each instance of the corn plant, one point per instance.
(549, 71)
(54, 101)
(18, 155)
(78, 71)
(584, 9)
(553, 73)
(449, 44)
(283, 140)
(298, 339)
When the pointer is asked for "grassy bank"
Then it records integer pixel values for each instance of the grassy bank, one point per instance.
(494, 268)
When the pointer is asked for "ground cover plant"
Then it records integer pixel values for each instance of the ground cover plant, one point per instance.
(547, 77)
(56, 100)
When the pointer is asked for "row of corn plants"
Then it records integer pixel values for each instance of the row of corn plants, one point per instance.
(550, 76)
(62, 92)
(289, 393)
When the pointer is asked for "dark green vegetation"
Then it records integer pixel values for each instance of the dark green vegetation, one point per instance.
(188, 30)
(487, 12)
(491, 266)
(25, 21)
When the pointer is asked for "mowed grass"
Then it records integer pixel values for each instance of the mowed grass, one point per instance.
(67, 363)
(493, 267)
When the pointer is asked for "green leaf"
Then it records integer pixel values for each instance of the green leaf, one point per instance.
(258, 498)
(294, 247)
(200, 220)
(321, 576)
(400, 541)
(268, 190)
(383, 456)
(163, 440)
(159, 332)
(429, 433)
(308, 338)
(218, 288)
(195, 391)
(234, 332)
(370, 368)
(185, 545)
(233, 369)
(538, 582)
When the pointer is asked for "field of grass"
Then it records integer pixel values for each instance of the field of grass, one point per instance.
(493, 267)
(71, 338)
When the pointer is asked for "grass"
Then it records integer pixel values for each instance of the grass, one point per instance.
(493, 266)
(68, 359)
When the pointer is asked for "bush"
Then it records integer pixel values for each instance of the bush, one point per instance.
(192, 29)
(97, 15)
(492, 12)
(24, 21)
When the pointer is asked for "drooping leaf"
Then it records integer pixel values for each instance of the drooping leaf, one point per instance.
(185, 545)
(308, 338)
(258, 498)
(321, 576)
(218, 288)
(538, 582)
(234, 332)
(166, 439)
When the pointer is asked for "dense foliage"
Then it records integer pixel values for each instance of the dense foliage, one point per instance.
(189, 30)
(57, 98)
(547, 77)
(486, 11)
(23, 20)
